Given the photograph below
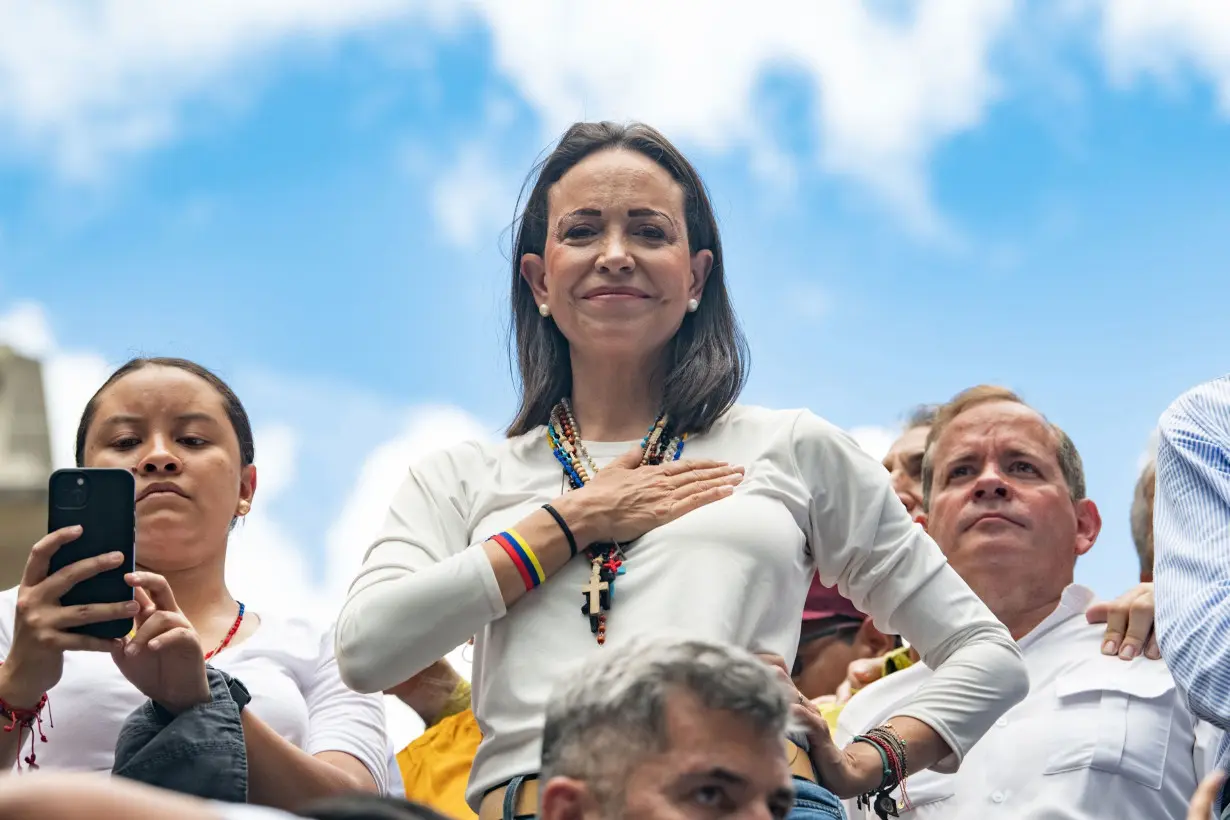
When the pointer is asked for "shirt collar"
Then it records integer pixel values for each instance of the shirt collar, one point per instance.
(1074, 601)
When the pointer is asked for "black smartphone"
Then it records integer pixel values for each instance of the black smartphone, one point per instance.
(103, 503)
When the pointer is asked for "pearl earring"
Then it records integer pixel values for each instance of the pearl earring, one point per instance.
(693, 305)
(544, 310)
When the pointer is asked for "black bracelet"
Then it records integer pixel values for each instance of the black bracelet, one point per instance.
(563, 525)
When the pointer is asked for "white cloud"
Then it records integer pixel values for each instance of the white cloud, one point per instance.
(86, 83)
(807, 299)
(265, 568)
(25, 329)
(876, 441)
(473, 196)
(887, 89)
(1142, 37)
(69, 377)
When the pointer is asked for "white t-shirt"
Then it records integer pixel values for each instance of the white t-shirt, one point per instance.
(1096, 737)
(735, 571)
(287, 666)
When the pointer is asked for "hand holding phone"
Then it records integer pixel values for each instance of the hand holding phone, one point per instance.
(43, 627)
(103, 503)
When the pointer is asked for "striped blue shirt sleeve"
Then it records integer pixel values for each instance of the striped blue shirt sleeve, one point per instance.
(1191, 530)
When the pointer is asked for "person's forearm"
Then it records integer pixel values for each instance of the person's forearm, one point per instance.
(548, 541)
(75, 796)
(975, 684)
(397, 622)
(17, 697)
(429, 692)
(924, 746)
(284, 776)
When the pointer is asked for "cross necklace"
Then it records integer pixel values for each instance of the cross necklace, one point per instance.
(606, 559)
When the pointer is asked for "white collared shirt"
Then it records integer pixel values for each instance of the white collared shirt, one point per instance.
(1096, 737)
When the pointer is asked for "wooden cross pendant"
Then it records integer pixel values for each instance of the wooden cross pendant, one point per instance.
(597, 595)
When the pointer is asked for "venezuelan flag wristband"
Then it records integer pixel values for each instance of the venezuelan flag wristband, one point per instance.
(522, 557)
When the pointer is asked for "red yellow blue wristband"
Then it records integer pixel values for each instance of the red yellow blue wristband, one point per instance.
(522, 557)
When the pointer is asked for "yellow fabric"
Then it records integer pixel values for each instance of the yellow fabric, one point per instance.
(435, 767)
(458, 702)
(897, 660)
(894, 661)
(830, 712)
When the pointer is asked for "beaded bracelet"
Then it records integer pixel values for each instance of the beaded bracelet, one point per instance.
(31, 719)
(887, 777)
(522, 557)
(892, 749)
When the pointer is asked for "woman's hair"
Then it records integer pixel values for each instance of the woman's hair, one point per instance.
(234, 408)
(708, 359)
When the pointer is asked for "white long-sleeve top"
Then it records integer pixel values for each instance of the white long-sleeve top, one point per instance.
(1097, 737)
(735, 571)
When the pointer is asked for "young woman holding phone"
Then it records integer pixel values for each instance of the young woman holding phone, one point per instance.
(187, 440)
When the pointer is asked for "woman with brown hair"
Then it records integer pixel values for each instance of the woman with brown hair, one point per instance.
(633, 496)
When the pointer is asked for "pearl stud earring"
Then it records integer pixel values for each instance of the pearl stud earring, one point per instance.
(544, 310)
(693, 305)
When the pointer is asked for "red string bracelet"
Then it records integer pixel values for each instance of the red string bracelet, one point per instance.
(31, 719)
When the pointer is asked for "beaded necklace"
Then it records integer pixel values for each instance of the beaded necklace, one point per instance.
(606, 559)
(230, 634)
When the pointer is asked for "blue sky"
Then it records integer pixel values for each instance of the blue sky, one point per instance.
(312, 199)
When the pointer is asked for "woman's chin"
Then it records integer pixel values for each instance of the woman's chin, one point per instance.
(623, 340)
(169, 545)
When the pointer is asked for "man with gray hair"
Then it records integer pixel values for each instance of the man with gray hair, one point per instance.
(1004, 498)
(669, 729)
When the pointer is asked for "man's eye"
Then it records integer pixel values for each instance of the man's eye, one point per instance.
(709, 796)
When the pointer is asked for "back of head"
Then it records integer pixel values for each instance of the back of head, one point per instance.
(360, 806)
(603, 719)
(1142, 519)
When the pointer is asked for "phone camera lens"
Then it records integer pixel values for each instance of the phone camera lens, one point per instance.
(70, 492)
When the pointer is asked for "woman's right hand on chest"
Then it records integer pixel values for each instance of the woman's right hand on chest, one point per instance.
(625, 500)
(35, 659)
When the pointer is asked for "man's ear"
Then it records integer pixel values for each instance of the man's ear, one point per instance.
(1088, 525)
(871, 642)
(564, 798)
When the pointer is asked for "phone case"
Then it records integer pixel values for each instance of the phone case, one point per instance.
(103, 503)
